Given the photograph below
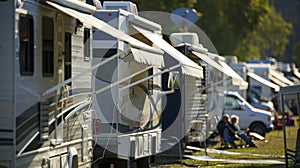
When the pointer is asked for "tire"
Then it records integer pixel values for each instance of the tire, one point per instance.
(258, 128)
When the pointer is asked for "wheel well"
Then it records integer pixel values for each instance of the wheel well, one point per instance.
(257, 122)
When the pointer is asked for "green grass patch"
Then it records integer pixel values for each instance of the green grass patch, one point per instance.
(273, 145)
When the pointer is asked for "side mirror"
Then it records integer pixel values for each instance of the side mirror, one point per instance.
(173, 80)
(241, 106)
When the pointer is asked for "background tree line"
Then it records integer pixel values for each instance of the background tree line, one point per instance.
(249, 29)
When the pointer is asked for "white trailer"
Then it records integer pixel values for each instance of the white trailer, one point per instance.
(187, 75)
(144, 63)
(202, 101)
(262, 70)
(45, 86)
(128, 106)
(269, 73)
(130, 119)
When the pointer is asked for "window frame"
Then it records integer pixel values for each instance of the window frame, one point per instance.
(68, 56)
(26, 44)
(87, 44)
(47, 46)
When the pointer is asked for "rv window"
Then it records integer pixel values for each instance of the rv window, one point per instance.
(26, 54)
(48, 46)
(150, 81)
(87, 44)
(68, 56)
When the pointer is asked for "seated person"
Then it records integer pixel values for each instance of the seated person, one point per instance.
(239, 132)
(226, 131)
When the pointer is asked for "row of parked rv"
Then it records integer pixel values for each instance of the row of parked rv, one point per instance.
(89, 85)
(265, 78)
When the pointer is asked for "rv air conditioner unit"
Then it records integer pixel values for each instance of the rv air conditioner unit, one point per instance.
(179, 38)
(116, 5)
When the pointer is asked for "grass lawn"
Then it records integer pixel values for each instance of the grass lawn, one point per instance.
(273, 145)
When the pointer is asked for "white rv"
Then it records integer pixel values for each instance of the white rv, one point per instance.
(130, 103)
(45, 91)
(127, 126)
(269, 73)
(201, 100)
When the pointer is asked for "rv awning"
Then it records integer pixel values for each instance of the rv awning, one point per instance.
(147, 57)
(142, 52)
(235, 76)
(188, 66)
(296, 73)
(278, 82)
(210, 61)
(281, 78)
(264, 81)
(236, 79)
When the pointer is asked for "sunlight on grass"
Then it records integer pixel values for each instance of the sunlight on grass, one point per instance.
(273, 145)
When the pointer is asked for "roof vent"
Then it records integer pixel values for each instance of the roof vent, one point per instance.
(125, 5)
(179, 38)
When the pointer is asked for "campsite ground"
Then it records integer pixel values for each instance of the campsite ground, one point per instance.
(273, 145)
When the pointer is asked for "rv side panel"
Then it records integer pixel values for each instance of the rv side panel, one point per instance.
(7, 54)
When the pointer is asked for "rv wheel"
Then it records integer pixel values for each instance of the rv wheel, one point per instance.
(258, 128)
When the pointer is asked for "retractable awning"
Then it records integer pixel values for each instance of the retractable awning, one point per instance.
(141, 52)
(210, 61)
(235, 76)
(224, 68)
(296, 73)
(230, 71)
(279, 82)
(188, 66)
(280, 77)
(264, 81)
(146, 57)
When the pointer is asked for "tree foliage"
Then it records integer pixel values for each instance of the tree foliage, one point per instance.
(269, 38)
(296, 53)
(165, 6)
(227, 22)
(246, 28)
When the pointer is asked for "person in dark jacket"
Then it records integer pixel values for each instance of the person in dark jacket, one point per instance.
(226, 131)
